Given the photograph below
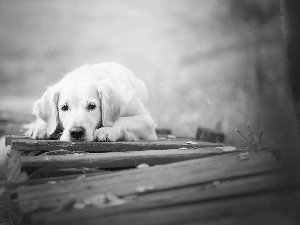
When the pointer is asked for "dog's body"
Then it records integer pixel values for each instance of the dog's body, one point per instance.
(101, 102)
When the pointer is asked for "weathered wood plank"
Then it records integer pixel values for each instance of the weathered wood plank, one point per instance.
(17, 132)
(205, 134)
(163, 131)
(247, 186)
(52, 176)
(117, 159)
(260, 209)
(49, 145)
(60, 174)
(11, 136)
(192, 215)
(163, 177)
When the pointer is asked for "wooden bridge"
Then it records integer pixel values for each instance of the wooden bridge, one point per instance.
(169, 181)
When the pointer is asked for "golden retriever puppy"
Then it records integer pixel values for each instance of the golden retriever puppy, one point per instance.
(101, 102)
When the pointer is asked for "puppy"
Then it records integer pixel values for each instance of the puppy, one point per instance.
(101, 102)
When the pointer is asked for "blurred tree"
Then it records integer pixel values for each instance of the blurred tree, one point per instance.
(255, 15)
(291, 31)
(259, 12)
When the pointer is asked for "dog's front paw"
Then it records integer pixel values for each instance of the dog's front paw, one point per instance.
(107, 134)
(38, 130)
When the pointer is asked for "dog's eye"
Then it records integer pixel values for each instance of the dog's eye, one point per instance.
(91, 106)
(65, 107)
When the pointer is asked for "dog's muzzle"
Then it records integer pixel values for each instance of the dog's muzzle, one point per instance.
(77, 133)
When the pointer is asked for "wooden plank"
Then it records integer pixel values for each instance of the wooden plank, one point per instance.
(11, 136)
(163, 131)
(261, 209)
(269, 183)
(50, 145)
(205, 134)
(117, 159)
(20, 135)
(53, 178)
(62, 173)
(162, 177)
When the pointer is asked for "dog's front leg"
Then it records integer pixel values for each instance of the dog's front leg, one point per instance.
(108, 134)
(131, 128)
(38, 130)
(113, 133)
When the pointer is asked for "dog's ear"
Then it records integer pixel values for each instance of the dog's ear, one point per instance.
(46, 108)
(110, 105)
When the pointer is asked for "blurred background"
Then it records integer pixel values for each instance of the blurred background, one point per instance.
(217, 64)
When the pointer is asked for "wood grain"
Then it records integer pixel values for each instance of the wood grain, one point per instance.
(11, 136)
(49, 145)
(260, 209)
(117, 159)
(162, 177)
(200, 197)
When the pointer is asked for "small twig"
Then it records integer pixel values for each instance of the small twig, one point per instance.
(261, 133)
(244, 137)
(251, 135)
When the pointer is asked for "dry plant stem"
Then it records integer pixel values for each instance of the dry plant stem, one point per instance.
(251, 136)
(245, 138)
(260, 137)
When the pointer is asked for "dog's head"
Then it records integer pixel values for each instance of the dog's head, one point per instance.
(78, 109)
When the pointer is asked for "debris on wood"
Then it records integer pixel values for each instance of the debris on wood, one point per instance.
(216, 183)
(63, 152)
(78, 154)
(244, 156)
(85, 169)
(143, 165)
(100, 201)
(227, 148)
(191, 143)
(143, 189)
(52, 182)
(82, 176)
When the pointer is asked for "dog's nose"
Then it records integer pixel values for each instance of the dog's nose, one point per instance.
(77, 132)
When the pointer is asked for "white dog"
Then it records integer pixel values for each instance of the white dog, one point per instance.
(101, 102)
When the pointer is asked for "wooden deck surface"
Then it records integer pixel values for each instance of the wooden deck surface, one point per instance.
(184, 182)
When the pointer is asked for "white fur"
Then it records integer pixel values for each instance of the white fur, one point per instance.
(119, 99)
